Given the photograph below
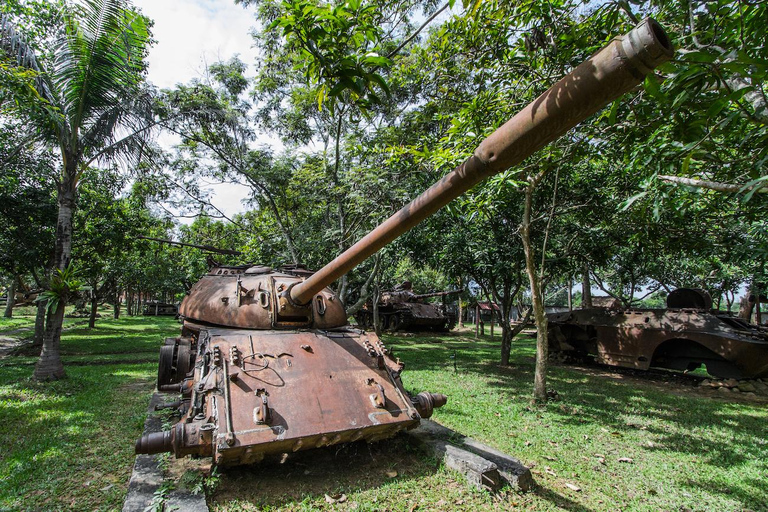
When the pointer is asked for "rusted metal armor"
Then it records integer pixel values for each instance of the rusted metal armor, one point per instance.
(401, 309)
(684, 336)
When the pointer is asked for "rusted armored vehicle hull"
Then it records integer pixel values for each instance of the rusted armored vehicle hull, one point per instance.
(249, 393)
(266, 362)
(288, 391)
(675, 338)
(408, 316)
(160, 309)
(401, 309)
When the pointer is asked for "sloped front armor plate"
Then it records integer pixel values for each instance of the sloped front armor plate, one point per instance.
(320, 388)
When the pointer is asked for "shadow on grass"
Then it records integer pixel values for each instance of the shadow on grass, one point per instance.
(718, 436)
(558, 499)
(310, 475)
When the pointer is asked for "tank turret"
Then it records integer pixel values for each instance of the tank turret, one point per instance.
(266, 363)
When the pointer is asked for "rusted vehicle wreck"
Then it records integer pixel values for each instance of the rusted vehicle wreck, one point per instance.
(684, 336)
(402, 310)
(266, 363)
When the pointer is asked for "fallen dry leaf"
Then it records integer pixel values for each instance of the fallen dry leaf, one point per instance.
(573, 487)
(335, 498)
(392, 474)
(627, 460)
(550, 458)
(550, 471)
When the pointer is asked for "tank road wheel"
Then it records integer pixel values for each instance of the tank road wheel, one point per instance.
(395, 323)
(183, 362)
(165, 373)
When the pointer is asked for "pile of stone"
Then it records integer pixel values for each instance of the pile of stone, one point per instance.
(750, 387)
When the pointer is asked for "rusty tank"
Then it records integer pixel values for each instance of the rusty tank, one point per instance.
(684, 336)
(266, 362)
(158, 308)
(403, 310)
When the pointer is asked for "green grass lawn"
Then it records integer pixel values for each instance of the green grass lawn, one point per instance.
(688, 450)
(69, 445)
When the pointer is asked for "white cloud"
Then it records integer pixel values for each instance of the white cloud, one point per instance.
(190, 34)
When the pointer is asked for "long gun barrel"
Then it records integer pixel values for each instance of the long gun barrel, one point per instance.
(604, 77)
(207, 248)
(436, 294)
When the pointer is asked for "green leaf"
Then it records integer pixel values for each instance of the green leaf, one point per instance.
(628, 203)
(652, 87)
(613, 112)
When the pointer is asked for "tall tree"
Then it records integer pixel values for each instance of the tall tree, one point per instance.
(85, 98)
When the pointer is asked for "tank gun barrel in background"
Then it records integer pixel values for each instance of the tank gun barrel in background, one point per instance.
(436, 294)
(207, 248)
(602, 78)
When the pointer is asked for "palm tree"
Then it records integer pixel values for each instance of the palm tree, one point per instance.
(86, 98)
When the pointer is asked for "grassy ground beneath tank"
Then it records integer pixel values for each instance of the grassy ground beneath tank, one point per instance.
(624, 441)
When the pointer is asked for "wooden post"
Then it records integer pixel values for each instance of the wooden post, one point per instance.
(493, 316)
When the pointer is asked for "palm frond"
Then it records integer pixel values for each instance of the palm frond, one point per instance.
(22, 55)
(100, 59)
(120, 131)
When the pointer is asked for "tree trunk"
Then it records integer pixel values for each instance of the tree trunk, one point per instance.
(37, 343)
(586, 288)
(506, 344)
(376, 316)
(745, 308)
(116, 307)
(11, 297)
(49, 366)
(542, 349)
(461, 308)
(94, 310)
(570, 293)
(477, 320)
(506, 326)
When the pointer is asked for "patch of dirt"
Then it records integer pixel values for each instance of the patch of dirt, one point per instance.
(317, 472)
(137, 385)
(9, 344)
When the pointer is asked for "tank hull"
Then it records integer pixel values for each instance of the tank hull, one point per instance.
(408, 316)
(255, 393)
(678, 339)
